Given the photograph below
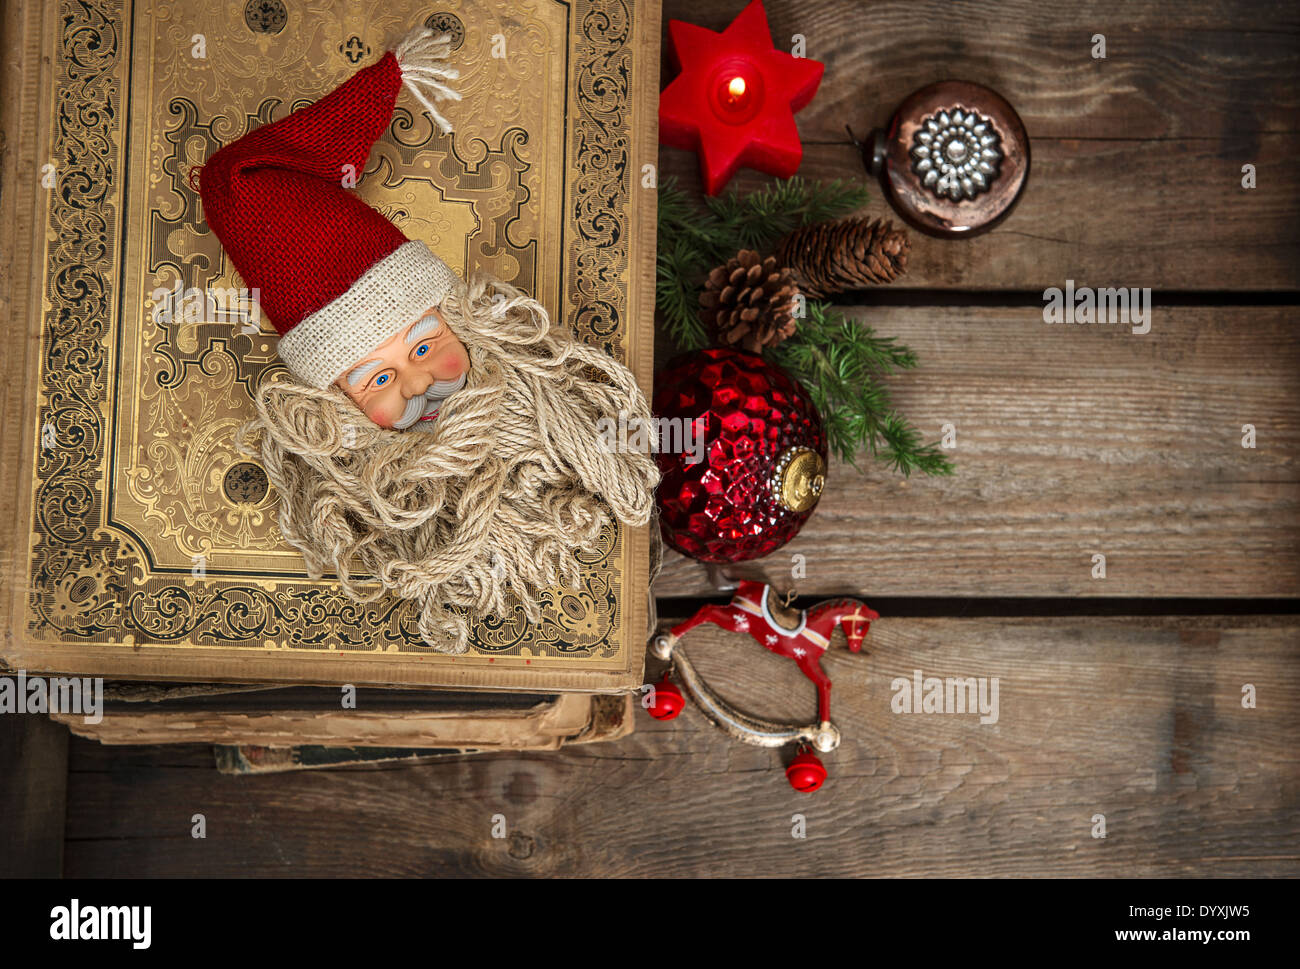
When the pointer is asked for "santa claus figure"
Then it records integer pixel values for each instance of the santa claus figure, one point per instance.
(379, 336)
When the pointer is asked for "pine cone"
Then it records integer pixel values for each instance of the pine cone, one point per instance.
(750, 302)
(831, 257)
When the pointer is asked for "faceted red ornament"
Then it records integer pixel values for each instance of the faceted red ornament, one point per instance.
(762, 450)
(806, 772)
(667, 701)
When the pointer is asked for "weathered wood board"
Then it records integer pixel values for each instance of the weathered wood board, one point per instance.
(1140, 720)
(1071, 440)
(1136, 177)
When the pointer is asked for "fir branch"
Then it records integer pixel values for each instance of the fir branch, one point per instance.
(696, 240)
(677, 293)
(842, 363)
(680, 218)
(761, 218)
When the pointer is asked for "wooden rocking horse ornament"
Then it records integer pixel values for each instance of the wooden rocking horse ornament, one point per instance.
(756, 609)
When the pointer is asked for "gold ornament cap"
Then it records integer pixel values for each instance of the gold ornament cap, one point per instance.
(798, 479)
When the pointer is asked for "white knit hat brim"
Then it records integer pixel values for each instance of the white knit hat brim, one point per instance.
(393, 293)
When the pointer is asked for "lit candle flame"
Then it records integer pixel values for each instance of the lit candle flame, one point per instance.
(737, 87)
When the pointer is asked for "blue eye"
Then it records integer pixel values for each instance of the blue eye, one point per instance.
(423, 349)
(381, 380)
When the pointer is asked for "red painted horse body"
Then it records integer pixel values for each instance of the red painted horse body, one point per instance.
(803, 637)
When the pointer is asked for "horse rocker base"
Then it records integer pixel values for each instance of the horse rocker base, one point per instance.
(802, 636)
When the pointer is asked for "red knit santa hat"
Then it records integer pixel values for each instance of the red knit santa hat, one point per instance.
(336, 278)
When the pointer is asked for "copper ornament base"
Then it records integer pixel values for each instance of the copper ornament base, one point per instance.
(978, 153)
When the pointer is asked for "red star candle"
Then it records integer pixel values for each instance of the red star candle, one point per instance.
(735, 98)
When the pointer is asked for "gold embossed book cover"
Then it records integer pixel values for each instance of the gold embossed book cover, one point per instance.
(139, 543)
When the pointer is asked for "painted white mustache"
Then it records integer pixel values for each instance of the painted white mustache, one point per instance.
(416, 406)
(445, 388)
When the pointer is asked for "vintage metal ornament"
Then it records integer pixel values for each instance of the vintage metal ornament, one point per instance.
(956, 153)
(803, 636)
(954, 159)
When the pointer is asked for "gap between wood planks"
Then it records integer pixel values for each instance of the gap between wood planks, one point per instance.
(902, 296)
(957, 607)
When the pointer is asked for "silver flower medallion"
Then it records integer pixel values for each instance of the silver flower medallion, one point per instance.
(956, 153)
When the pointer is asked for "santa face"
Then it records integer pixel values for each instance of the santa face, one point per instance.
(405, 379)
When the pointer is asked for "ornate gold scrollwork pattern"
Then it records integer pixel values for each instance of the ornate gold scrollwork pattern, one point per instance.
(95, 578)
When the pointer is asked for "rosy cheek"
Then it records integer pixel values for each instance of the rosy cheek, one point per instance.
(449, 363)
(385, 412)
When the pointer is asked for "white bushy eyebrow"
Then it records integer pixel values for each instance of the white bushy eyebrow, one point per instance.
(363, 371)
(423, 328)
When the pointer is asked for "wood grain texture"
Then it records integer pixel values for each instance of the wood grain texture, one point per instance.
(1137, 159)
(1192, 784)
(34, 761)
(1071, 440)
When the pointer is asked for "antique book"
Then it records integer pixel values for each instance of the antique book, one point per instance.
(608, 718)
(137, 542)
(380, 718)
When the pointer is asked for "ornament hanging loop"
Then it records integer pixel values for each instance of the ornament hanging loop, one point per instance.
(873, 150)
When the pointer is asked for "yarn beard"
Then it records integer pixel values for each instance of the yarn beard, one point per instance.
(486, 509)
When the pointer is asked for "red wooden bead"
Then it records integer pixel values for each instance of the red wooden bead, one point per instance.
(667, 701)
(806, 773)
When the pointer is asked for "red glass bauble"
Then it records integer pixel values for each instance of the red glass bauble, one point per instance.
(806, 773)
(667, 700)
(762, 455)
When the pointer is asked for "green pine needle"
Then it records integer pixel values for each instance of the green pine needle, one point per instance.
(677, 293)
(761, 218)
(842, 363)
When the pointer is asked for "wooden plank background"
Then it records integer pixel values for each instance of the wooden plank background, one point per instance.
(1136, 170)
(34, 756)
(1138, 720)
(1070, 441)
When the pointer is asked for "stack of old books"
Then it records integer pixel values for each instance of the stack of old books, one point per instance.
(138, 545)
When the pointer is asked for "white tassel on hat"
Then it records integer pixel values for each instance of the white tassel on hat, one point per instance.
(420, 56)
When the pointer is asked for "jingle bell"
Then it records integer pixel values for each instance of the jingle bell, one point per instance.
(667, 701)
(806, 772)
